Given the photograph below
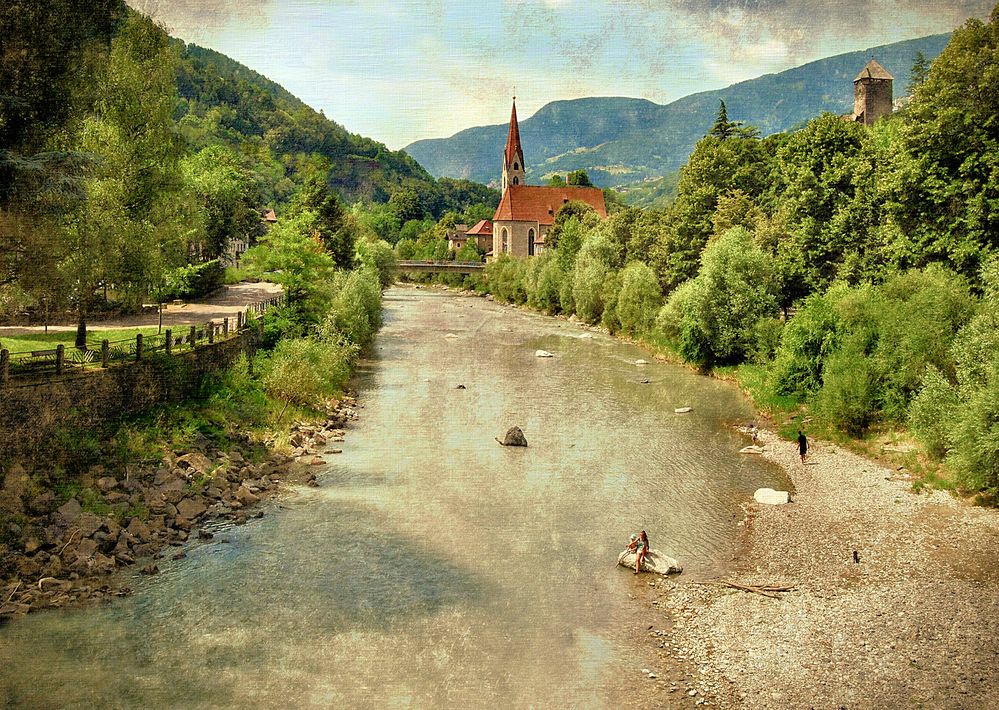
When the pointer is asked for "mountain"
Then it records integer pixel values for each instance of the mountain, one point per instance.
(223, 101)
(625, 141)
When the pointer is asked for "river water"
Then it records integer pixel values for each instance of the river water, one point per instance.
(433, 567)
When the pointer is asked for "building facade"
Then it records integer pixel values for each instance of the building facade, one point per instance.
(872, 94)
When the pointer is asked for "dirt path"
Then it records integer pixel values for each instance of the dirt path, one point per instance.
(229, 302)
(913, 623)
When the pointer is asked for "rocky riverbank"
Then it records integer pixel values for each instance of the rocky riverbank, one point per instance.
(894, 601)
(70, 552)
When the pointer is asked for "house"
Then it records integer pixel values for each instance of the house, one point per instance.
(456, 236)
(526, 212)
(483, 234)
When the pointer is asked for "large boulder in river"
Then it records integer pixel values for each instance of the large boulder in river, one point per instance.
(514, 437)
(655, 561)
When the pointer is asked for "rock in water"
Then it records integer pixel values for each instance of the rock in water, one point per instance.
(514, 437)
(683, 410)
(543, 353)
(751, 449)
(655, 561)
(768, 496)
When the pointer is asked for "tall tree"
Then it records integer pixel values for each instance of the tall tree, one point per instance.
(918, 74)
(333, 226)
(722, 128)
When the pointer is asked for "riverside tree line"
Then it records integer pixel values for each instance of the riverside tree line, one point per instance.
(879, 242)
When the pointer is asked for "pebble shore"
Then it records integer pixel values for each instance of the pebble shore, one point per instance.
(895, 600)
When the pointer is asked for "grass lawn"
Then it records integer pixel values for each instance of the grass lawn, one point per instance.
(50, 340)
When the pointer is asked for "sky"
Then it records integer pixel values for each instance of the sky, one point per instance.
(401, 70)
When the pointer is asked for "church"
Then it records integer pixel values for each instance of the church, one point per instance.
(526, 212)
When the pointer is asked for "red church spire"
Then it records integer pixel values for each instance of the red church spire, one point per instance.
(513, 149)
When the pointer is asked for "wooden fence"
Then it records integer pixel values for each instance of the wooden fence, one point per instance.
(61, 360)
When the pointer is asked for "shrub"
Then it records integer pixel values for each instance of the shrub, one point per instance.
(308, 371)
(716, 315)
(378, 255)
(639, 299)
(505, 276)
(543, 280)
(609, 295)
(593, 263)
(808, 339)
(355, 310)
(848, 398)
(932, 412)
(194, 280)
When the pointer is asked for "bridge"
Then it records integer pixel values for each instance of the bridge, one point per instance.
(442, 267)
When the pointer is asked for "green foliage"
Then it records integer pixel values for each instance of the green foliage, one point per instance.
(308, 371)
(593, 264)
(715, 315)
(355, 312)
(578, 178)
(849, 395)
(505, 276)
(193, 281)
(544, 282)
(932, 413)
(806, 343)
(639, 299)
(379, 256)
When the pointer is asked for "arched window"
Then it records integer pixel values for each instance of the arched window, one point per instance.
(516, 166)
(506, 241)
(530, 242)
(516, 181)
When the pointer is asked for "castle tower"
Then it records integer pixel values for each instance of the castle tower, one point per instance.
(872, 94)
(513, 156)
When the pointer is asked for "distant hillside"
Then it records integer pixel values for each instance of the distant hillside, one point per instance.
(224, 101)
(622, 141)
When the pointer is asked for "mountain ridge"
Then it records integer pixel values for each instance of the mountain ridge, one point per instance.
(624, 141)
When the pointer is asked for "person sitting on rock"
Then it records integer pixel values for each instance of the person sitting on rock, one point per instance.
(640, 546)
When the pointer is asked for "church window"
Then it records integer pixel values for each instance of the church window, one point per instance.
(506, 244)
(530, 242)
(516, 166)
(516, 181)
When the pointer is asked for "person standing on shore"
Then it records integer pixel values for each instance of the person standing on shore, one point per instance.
(802, 446)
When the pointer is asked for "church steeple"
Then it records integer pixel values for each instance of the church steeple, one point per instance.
(513, 156)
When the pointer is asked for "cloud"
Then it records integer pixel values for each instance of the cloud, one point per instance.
(192, 17)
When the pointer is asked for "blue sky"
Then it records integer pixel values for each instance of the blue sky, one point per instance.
(400, 70)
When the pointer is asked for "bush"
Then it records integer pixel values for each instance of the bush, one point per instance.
(505, 277)
(355, 310)
(609, 295)
(639, 299)
(849, 394)
(592, 266)
(932, 413)
(715, 316)
(378, 255)
(806, 342)
(543, 281)
(194, 281)
(307, 371)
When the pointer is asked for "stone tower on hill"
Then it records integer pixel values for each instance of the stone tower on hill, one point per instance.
(513, 157)
(872, 94)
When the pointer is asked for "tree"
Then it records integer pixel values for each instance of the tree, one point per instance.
(578, 178)
(918, 74)
(227, 195)
(134, 221)
(333, 226)
(722, 128)
(556, 180)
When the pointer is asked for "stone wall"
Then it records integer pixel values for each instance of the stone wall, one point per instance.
(36, 417)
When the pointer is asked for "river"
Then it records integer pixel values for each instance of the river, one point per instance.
(433, 567)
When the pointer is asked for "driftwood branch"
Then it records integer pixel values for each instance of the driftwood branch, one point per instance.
(766, 590)
(70, 541)
(16, 587)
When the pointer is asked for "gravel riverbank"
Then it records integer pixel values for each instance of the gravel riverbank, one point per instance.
(895, 601)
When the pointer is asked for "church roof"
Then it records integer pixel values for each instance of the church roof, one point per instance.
(873, 70)
(513, 148)
(531, 203)
(483, 228)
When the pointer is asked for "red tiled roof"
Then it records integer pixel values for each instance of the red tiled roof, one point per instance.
(483, 228)
(531, 203)
(513, 139)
